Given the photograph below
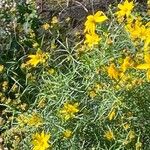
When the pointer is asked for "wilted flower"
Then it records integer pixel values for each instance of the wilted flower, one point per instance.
(138, 146)
(35, 120)
(126, 126)
(1, 68)
(131, 135)
(46, 26)
(5, 85)
(67, 134)
(54, 20)
(92, 93)
(22, 120)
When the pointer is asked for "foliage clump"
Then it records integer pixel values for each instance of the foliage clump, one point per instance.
(86, 92)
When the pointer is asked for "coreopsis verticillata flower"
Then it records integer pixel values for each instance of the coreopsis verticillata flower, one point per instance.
(35, 120)
(139, 31)
(127, 63)
(92, 39)
(46, 26)
(5, 85)
(134, 27)
(92, 94)
(34, 60)
(147, 38)
(147, 44)
(146, 65)
(131, 135)
(126, 126)
(112, 114)
(22, 120)
(113, 73)
(109, 135)
(138, 146)
(54, 20)
(69, 110)
(90, 24)
(1, 68)
(125, 9)
(40, 141)
(67, 134)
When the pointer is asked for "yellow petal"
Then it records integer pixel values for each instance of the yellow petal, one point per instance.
(148, 75)
(147, 58)
(143, 66)
(100, 17)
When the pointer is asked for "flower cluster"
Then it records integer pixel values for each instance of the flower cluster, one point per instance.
(91, 38)
(125, 10)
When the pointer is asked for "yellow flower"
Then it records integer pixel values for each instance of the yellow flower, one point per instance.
(35, 120)
(35, 45)
(45, 26)
(22, 120)
(111, 114)
(109, 41)
(126, 64)
(97, 87)
(54, 20)
(125, 9)
(14, 87)
(68, 19)
(131, 135)
(138, 146)
(147, 44)
(1, 68)
(23, 106)
(42, 103)
(5, 85)
(39, 57)
(90, 24)
(134, 28)
(69, 110)
(147, 37)
(91, 40)
(126, 126)
(148, 3)
(138, 30)
(53, 45)
(67, 134)
(40, 141)
(113, 73)
(92, 94)
(109, 135)
(23, 65)
(146, 65)
(32, 34)
(51, 71)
